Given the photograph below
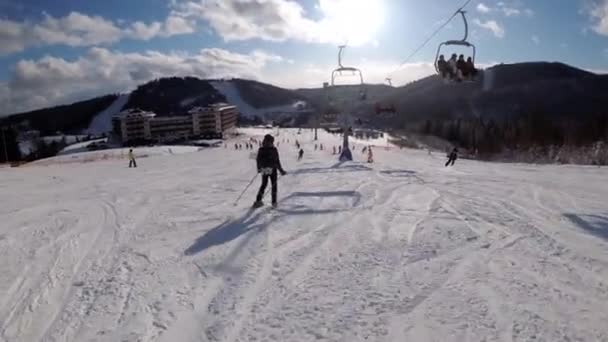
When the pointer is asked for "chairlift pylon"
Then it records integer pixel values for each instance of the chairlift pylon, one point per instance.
(347, 122)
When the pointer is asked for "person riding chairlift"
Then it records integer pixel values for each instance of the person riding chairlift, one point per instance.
(461, 67)
(452, 66)
(443, 67)
(470, 67)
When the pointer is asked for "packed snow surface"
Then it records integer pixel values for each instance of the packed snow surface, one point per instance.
(403, 249)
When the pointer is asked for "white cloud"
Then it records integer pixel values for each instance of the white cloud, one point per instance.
(598, 12)
(51, 81)
(143, 31)
(491, 25)
(510, 9)
(77, 29)
(173, 25)
(482, 8)
(281, 20)
(536, 39)
(510, 12)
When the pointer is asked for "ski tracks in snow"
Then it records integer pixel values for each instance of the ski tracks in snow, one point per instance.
(402, 249)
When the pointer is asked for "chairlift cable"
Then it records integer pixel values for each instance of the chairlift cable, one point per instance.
(430, 37)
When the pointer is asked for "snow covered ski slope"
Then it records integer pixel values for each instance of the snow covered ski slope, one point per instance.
(400, 250)
(102, 122)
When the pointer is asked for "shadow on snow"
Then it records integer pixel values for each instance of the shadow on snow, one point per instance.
(254, 220)
(399, 173)
(338, 167)
(593, 224)
(403, 174)
(226, 231)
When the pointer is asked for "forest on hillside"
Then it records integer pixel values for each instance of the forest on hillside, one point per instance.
(173, 95)
(539, 135)
(66, 118)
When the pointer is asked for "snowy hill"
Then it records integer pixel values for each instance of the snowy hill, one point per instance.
(102, 122)
(230, 89)
(72, 118)
(79, 153)
(400, 250)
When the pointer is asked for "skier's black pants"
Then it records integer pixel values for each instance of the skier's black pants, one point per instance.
(451, 160)
(132, 163)
(273, 180)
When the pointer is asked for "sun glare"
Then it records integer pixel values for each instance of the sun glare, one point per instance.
(354, 21)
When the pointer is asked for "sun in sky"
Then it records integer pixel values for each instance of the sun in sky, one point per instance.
(355, 22)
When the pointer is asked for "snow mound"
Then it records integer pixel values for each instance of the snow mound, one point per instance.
(118, 153)
(81, 146)
(102, 122)
(26, 147)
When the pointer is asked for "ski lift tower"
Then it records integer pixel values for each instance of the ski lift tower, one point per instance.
(344, 105)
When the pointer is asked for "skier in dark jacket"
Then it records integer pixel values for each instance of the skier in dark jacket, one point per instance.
(461, 65)
(268, 164)
(452, 157)
(442, 66)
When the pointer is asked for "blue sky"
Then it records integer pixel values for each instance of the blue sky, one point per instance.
(54, 52)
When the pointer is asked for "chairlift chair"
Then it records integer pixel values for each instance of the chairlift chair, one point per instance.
(354, 71)
(462, 42)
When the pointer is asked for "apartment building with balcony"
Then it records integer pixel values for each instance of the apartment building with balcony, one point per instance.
(135, 126)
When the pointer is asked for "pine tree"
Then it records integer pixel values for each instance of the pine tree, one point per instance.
(9, 146)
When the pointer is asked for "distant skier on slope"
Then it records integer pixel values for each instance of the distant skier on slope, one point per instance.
(452, 157)
(370, 155)
(132, 162)
(268, 163)
(300, 154)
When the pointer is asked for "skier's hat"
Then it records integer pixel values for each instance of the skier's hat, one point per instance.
(268, 139)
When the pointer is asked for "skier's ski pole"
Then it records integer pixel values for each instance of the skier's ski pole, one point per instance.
(247, 187)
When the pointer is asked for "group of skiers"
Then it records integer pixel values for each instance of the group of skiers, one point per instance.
(456, 68)
(248, 146)
(269, 164)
